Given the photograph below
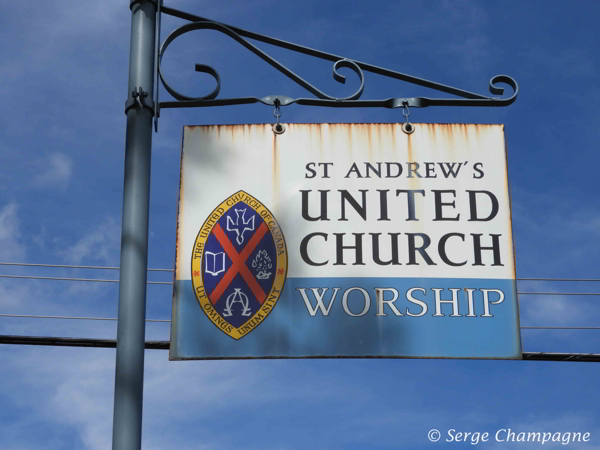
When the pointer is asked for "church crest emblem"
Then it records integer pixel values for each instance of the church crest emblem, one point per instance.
(239, 265)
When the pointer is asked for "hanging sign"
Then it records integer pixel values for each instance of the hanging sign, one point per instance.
(344, 240)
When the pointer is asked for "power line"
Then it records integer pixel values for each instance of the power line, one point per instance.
(67, 266)
(74, 342)
(558, 279)
(576, 357)
(165, 345)
(560, 328)
(29, 316)
(74, 267)
(30, 277)
(558, 293)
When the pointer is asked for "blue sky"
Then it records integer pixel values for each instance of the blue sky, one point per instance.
(64, 83)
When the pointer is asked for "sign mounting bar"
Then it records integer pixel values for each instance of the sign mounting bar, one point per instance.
(320, 98)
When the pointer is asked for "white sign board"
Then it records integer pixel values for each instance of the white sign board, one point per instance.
(344, 240)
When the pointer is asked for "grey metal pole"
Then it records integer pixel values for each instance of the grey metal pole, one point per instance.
(129, 373)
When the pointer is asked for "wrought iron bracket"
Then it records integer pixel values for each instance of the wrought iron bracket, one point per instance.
(465, 98)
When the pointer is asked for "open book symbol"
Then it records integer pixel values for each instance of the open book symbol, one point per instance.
(215, 263)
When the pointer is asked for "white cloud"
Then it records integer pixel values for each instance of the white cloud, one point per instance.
(74, 388)
(11, 249)
(83, 398)
(12, 296)
(548, 310)
(63, 388)
(569, 228)
(570, 232)
(99, 245)
(55, 173)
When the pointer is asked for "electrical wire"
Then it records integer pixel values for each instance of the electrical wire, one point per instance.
(558, 279)
(560, 328)
(30, 277)
(29, 316)
(171, 270)
(165, 345)
(67, 266)
(558, 293)
(74, 267)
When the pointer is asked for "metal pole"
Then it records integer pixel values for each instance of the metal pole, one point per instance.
(129, 373)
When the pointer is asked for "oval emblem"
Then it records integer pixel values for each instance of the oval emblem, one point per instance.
(239, 264)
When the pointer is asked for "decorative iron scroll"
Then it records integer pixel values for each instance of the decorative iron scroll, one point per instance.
(321, 98)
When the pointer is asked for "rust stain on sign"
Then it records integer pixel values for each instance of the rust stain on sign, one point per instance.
(369, 141)
(321, 140)
(275, 170)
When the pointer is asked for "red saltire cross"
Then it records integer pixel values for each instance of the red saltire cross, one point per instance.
(238, 264)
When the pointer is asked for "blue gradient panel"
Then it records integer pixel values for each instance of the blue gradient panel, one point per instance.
(290, 331)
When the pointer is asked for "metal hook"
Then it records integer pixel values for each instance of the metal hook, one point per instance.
(406, 112)
(407, 127)
(278, 128)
